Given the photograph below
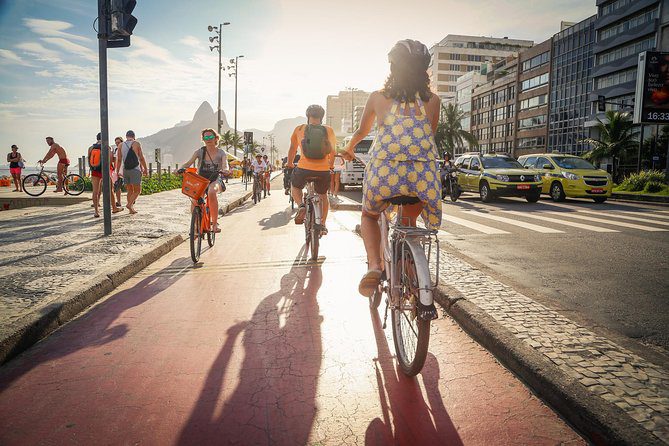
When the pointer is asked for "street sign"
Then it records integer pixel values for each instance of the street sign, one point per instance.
(651, 105)
(656, 158)
(248, 138)
(157, 155)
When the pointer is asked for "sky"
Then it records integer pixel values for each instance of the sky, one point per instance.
(296, 52)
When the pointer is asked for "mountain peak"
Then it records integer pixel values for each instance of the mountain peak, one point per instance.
(203, 111)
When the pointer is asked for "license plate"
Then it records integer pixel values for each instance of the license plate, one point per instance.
(597, 191)
(523, 186)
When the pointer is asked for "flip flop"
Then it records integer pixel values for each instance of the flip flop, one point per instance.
(369, 282)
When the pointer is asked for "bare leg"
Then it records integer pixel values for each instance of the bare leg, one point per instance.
(17, 183)
(371, 236)
(213, 204)
(297, 195)
(337, 179)
(325, 206)
(96, 195)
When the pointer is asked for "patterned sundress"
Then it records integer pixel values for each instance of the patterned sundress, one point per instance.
(404, 163)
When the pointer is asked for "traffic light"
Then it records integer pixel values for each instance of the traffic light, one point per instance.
(122, 21)
(601, 103)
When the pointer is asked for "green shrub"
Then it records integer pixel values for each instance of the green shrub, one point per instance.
(637, 181)
(159, 184)
(653, 186)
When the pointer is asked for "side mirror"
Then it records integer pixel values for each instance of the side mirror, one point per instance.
(548, 166)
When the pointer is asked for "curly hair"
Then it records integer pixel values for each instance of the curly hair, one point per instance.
(405, 81)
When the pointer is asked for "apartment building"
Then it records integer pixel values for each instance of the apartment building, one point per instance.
(463, 90)
(571, 86)
(456, 55)
(340, 110)
(493, 115)
(534, 66)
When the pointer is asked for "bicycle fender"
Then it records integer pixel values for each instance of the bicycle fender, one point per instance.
(423, 271)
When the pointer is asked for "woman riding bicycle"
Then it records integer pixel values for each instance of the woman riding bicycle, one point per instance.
(403, 159)
(212, 162)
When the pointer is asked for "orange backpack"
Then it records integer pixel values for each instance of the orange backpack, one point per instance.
(95, 157)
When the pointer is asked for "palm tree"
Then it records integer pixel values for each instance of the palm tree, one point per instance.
(449, 130)
(237, 142)
(616, 136)
(226, 140)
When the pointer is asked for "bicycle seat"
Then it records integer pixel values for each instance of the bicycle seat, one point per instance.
(402, 200)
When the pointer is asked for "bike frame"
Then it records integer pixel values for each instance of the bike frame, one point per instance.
(203, 204)
(312, 197)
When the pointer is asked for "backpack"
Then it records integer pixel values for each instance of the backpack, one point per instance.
(315, 144)
(95, 157)
(131, 161)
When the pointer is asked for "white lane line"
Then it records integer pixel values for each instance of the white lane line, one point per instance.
(472, 225)
(646, 214)
(605, 221)
(614, 214)
(561, 222)
(522, 224)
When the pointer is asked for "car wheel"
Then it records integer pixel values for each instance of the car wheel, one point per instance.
(533, 197)
(557, 192)
(599, 199)
(485, 192)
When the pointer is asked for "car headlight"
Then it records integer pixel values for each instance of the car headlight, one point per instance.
(504, 178)
(537, 177)
(570, 176)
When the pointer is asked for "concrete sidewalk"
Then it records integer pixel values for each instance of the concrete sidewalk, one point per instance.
(56, 260)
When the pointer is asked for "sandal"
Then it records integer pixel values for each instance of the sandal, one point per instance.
(369, 282)
(301, 213)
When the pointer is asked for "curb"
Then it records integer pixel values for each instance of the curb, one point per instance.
(43, 321)
(656, 199)
(23, 202)
(598, 420)
(40, 323)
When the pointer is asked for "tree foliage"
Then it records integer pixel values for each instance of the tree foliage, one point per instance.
(450, 134)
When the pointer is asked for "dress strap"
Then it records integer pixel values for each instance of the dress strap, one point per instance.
(393, 109)
(421, 106)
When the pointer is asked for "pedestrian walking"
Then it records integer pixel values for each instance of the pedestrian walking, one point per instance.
(117, 179)
(63, 162)
(131, 158)
(15, 161)
(336, 176)
(95, 164)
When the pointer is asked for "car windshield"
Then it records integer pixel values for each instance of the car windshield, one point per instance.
(500, 162)
(568, 162)
(363, 146)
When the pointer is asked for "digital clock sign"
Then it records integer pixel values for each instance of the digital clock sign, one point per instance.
(652, 89)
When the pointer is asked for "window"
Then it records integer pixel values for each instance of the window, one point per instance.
(500, 162)
(533, 102)
(499, 114)
(534, 82)
(475, 165)
(444, 56)
(631, 23)
(541, 161)
(536, 61)
(529, 161)
(453, 67)
(533, 122)
(614, 6)
(625, 51)
(616, 78)
(526, 143)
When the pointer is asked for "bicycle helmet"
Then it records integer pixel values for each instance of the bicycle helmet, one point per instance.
(410, 52)
(315, 111)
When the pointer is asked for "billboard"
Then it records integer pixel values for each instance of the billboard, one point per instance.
(652, 89)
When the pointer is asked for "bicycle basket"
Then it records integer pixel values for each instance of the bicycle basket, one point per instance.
(194, 185)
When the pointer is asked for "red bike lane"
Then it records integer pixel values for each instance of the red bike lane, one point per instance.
(256, 345)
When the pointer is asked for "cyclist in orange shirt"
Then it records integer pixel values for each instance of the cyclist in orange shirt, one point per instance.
(308, 168)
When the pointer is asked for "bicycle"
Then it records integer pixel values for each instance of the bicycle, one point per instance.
(287, 186)
(35, 184)
(313, 222)
(449, 186)
(196, 186)
(258, 187)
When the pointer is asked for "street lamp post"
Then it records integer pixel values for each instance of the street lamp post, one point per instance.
(218, 29)
(351, 89)
(234, 63)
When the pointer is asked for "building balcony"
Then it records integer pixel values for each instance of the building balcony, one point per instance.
(628, 10)
(623, 89)
(612, 67)
(627, 36)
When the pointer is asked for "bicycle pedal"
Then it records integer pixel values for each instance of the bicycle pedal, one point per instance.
(426, 312)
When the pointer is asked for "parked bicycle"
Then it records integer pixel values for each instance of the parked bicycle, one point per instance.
(313, 219)
(35, 184)
(195, 186)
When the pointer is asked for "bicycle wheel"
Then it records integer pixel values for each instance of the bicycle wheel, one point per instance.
(314, 234)
(196, 234)
(411, 334)
(211, 235)
(74, 184)
(34, 185)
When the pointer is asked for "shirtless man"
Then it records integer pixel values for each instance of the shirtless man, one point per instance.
(63, 162)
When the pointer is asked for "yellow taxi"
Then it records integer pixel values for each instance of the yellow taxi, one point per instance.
(495, 175)
(569, 176)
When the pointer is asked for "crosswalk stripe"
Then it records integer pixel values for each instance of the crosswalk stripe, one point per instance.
(473, 225)
(561, 222)
(626, 217)
(647, 214)
(605, 221)
(522, 224)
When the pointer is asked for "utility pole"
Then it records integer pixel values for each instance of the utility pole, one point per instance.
(235, 63)
(103, 34)
(218, 30)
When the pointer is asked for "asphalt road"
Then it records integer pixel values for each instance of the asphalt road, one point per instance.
(606, 265)
(255, 345)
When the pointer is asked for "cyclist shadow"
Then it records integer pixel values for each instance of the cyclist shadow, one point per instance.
(95, 327)
(407, 417)
(276, 220)
(271, 396)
